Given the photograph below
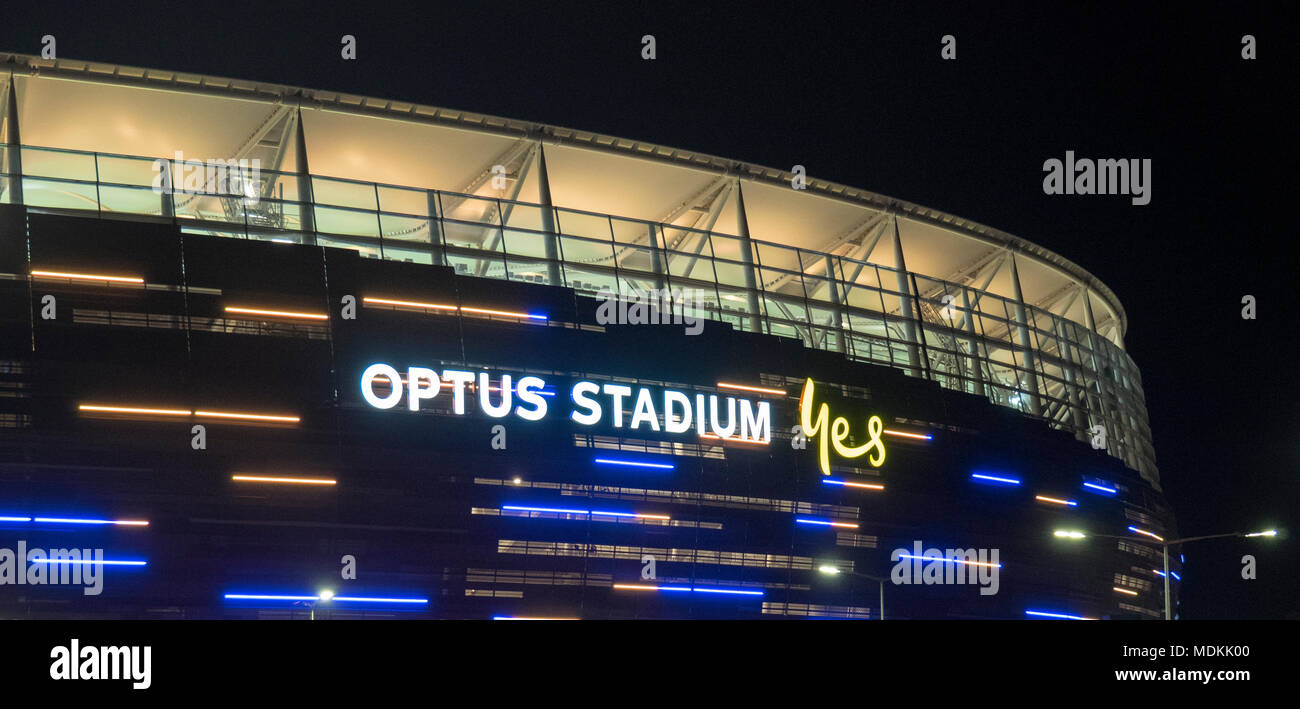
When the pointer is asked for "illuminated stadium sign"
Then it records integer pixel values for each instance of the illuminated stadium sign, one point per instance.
(832, 432)
(623, 406)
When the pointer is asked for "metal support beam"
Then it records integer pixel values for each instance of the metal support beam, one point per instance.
(974, 366)
(747, 257)
(13, 144)
(1026, 344)
(548, 220)
(906, 307)
(306, 204)
(437, 244)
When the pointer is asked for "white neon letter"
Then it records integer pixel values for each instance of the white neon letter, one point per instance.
(731, 415)
(755, 428)
(617, 392)
(414, 375)
(671, 423)
(458, 379)
(644, 410)
(485, 396)
(367, 386)
(581, 393)
(528, 387)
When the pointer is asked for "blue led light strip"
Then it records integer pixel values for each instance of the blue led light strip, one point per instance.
(635, 464)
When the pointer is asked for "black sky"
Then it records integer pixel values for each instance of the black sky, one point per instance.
(859, 95)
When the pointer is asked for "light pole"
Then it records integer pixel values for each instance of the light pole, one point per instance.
(1163, 543)
(835, 570)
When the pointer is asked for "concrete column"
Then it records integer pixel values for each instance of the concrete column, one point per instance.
(1026, 342)
(13, 142)
(305, 200)
(906, 306)
(747, 256)
(548, 220)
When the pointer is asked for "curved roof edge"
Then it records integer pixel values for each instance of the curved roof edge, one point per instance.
(164, 80)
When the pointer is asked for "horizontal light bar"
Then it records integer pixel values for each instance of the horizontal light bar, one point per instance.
(277, 313)
(461, 308)
(595, 513)
(1269, 533)
(68, 520)
(291, 481)
(690, 589)
(1056, 500)
(1117, 589)
(149, 411)
(361, 599)
(15, 519)
(87, 276)
(845, 483)
(1069, 534)
(520, 617)
(248, 417)
(345, 599)
(92, 562)
(746, 387)
(1144, 532)
(826, 522)
(1063, 616)
(904, 434)
(1101, 488)
(732, 439)
(635, 464)
(955, 561)
(135, 410)
(996, 479)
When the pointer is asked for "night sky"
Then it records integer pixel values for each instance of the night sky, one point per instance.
(861, 96)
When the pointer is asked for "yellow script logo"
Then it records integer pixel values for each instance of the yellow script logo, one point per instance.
(838, 430)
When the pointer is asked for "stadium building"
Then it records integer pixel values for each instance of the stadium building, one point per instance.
(277, 352)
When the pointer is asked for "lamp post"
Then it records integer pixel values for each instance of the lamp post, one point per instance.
(835, 570)
(1163, 543)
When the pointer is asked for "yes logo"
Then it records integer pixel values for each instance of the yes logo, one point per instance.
(830, 432)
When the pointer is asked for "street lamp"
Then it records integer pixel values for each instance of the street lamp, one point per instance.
(322, 597)
(1160, 541)
(835, 570)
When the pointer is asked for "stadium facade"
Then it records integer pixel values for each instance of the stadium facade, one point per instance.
(374, 363)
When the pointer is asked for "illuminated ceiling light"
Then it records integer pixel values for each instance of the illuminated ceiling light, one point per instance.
(966, 562)
(904, 434)
(1269, 533)
(69, 520)
(686, 589)
(1062, 616)
(292, 481)
(134, 410)
(1144, 532)
(635, 464)
(92, 562)
(461, 308)
(996, 479)
(1056, 500)
(326, 595)
(277, 313)
(746, 387)
(88, 277)
(845, 483)
(249, 417)
(1101, 488)
(828, 569)
(826, 522)
(1117, 589)
(1069, 534)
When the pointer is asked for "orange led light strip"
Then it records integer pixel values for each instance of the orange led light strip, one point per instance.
(87, 276)
(903, 434)
(277, 313)
(1123, 590)
(1055, 500)
(146, 411)
(295, 481)
(441, 306)
(746, 387)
